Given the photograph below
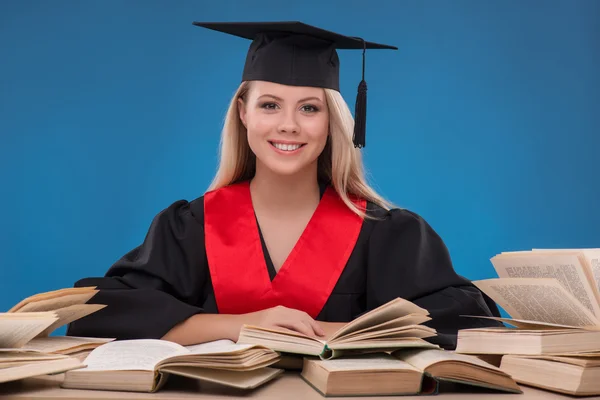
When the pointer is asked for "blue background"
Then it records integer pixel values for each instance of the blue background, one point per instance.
(485, 121)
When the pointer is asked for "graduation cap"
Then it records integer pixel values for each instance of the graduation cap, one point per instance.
(294, 53)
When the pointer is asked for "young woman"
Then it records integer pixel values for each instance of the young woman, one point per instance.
(289, 234)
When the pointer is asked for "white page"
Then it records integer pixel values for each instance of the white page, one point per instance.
(367, 362)
(565, 267)
(592, 257)
(53, 344)
(424, 358)
(218, 346)
(18, 329)
(537, 300)
(140, 354)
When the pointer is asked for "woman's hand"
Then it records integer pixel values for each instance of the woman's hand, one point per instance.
(283, 317)
(201, 328)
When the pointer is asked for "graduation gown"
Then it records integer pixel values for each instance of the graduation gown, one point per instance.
(168, 278)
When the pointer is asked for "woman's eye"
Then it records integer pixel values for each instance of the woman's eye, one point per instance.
(269, 106)
(309, 108)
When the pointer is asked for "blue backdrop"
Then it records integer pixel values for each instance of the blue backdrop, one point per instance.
(485, 121)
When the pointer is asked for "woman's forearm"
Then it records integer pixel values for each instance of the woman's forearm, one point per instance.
(201, 328)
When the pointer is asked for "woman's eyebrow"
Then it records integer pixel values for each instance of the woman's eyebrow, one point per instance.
(299, 101)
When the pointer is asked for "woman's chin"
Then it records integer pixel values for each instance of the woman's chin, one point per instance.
(286, 168)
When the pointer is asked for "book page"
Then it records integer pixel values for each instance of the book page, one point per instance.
(39, 368)
(425, 358)
(236, 379)
(537, 300)
(69, 314)
(592, 362)
(594, 260)
(57, 344)
(565, 267)
(218, 347)
(55, 294)
(368, 362)
(392, 310)
(20, 355)
(530, 325)
(592, 256)
(58, 302)
(139, 354)
(18, 329)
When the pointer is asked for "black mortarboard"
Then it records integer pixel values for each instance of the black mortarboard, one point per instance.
(294, 53)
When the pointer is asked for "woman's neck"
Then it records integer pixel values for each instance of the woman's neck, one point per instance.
(280, 193)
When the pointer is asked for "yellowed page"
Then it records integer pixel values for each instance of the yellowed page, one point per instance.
(39, 368)
(411, 319)
(69, 314)
(139, 354)
(587, 362)
(425, 358)
(58, 302)
(592, 258)
(18, 329)
(237, 379)
(21, 355)
(521, 324)
(569, 268)
(537, 300)
(54, 294)
(391, 310)
(368, 362)
(62, 344)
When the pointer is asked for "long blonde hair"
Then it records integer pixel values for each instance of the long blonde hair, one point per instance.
(339, 163)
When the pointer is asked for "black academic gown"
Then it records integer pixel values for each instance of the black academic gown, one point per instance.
(166, 279)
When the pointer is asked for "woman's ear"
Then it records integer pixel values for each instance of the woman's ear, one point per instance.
(242, 111)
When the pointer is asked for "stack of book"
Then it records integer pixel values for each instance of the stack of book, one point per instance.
(386, 344)
(27, 350)
(553, 300)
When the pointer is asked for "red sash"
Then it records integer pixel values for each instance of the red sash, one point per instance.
(237, 264)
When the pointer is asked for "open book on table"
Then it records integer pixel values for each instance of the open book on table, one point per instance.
(143, 365)
(30, 322)
(396, 324)
(403, 372)
(552, 298)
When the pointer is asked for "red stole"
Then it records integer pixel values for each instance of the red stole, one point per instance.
(237, 264)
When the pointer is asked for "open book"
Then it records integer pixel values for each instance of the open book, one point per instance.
(403, 372)
(393, 325)
(18, 364)
(548, 286)
(31, 321)
(552, 298)
(143, 365)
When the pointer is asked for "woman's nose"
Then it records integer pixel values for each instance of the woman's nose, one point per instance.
(288, 123)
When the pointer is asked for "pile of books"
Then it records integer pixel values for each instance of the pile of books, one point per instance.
(387, 344)
(27, 350)
(26, 347)
(553, 299)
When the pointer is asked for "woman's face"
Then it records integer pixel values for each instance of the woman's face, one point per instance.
(287, 125)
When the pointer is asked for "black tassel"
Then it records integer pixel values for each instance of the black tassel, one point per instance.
(360, 110)
(360, 115)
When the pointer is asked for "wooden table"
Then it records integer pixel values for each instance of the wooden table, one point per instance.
(287, 386)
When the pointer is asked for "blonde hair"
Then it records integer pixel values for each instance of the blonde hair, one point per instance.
(339, 163)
